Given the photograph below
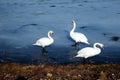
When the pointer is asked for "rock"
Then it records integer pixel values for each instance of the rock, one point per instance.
(49, 75)
(102, 76)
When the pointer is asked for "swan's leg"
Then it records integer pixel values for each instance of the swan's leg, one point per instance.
(75, 45)
(84, 61)
(87, 61)
(43, 51)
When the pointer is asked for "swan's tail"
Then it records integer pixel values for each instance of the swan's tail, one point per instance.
(34, 44)
(79, 55)
(76, 56)
(87, 43)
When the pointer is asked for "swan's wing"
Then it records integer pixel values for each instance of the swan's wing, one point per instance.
(87, 52)
(43, 40)
(80, 35)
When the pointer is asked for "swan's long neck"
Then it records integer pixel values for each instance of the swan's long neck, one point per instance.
(96, 48)
(74, 27)
(49, 36)
(95, 45)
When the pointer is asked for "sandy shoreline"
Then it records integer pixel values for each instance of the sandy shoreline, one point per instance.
(14, 71)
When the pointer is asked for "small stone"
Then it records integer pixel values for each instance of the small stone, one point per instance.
(49, 75)
(113, 74)
(79, 75)
(102, 76)
(7, 75)
(68, 74)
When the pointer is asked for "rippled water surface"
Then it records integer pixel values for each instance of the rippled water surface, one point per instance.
(22, 22)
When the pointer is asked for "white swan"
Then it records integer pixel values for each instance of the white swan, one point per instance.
(90, 51)
(45, 41)
(76, 36)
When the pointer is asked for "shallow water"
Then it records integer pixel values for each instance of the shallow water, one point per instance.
(23, 22)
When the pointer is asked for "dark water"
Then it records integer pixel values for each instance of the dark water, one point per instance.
(57, 55)
(22, 22)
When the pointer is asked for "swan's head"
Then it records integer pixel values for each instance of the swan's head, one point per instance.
(101, 45)
(73, 22)
(51, 32)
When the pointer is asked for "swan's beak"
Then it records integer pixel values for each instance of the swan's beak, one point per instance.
(102, 47)
(72, 22)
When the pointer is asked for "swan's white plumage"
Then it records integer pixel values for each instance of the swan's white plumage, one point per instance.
(76, 36)
(45, 41)
(90, 51)
(79, 37)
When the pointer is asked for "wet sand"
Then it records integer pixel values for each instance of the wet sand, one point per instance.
(14, 71)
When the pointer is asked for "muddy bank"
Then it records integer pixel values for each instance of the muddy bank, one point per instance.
(13, 71)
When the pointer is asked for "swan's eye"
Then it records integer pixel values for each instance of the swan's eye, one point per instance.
(52, 32)
(72, 22)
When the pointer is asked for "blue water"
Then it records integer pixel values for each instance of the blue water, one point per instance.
(22, 22)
